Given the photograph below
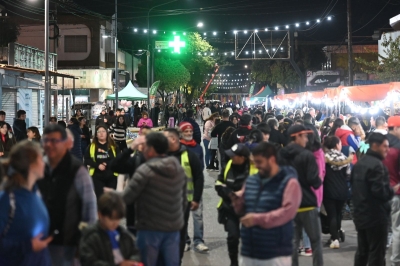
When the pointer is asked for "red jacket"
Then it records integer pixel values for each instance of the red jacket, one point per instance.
(392, 160)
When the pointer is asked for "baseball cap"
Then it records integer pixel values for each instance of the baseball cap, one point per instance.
(297, 130)
(394, 121)
(239, 149)
(185, 125)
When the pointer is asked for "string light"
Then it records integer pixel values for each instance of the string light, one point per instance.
(266, 29)
(245, 32)
(154, 31)
(276, 28)
(145, 31)
(135, 30)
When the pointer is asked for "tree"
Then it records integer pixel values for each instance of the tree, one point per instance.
(9, 32)
(387, 67)
(197, 65)
(172, 75)
(284, 74)
(141, 75)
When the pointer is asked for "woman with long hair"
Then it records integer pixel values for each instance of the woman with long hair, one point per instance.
(7, 140)
(85, 137)
(326, 127)
(338, 123)
(118, 131)
(144, 121)
(98, 156)
(78, 114)
(335, 187)
(208, 127)
(33, 134)
(24, 220)
(234, 119)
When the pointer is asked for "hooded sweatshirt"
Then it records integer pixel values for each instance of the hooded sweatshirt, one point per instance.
(307, 170)
(392, 160)
(158, 188)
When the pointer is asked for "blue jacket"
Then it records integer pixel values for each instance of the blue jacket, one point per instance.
(198, 150)
(76, 149)
(264, 196)
(30, 219)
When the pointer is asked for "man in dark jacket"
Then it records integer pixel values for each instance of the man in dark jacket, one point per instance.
(158, 187)
(19, 126)
(295, 155)
(371, 196)
(77, 133)
(275, 135)
(240, 134)
(154, 114)
(392, 162)
(196, 127)
(104, 119)
(194, 176)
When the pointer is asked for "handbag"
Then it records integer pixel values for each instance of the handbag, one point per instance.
(213, 145)
(11, 214)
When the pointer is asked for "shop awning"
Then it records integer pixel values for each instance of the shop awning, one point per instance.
(367, 93)
(129, 93)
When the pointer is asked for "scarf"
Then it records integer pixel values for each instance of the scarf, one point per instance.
(191, 143)
(337, 159)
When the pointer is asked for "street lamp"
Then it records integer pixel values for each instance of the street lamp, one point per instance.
(148, 52)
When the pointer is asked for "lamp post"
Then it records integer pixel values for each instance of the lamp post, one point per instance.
(149, 68)
(116, 57)
(47, 91)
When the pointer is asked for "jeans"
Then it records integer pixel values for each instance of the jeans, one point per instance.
(278, 261)
(62, 255)
(395, 258)
(198, 226)
(207, 152)
(306, 240)
(183, 232)
(158, 248)
(334, 211)
(371, 248)
(309, 220)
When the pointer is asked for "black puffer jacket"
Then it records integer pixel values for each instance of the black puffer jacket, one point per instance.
(307, 170)
(335, 182)
(371, 191)
(95, 246)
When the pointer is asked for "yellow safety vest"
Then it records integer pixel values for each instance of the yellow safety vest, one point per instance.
(188, 172)
(253, 170)
(93, 156)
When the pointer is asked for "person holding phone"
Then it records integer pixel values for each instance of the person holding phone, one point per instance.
(144, 121)
(24, 221)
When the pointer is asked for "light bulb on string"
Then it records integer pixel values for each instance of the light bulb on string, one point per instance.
(276, 28)
(297, 24)
(245, 32)
(318, 21)
(266, 29)
(307, 23)
(329, 18)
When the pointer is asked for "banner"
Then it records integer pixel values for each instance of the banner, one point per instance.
(251, 89)
(154, 87)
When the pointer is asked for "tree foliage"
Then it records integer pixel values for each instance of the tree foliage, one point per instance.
(172, 75)
(276, 72)
(387, 67)
(9, 32)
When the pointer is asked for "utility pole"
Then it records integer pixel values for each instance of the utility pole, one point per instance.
(47, 91)
(116, 57)
(349, 43)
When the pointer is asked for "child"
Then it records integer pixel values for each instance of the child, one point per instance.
(107, 242)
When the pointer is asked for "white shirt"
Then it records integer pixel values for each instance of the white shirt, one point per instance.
(206, 113)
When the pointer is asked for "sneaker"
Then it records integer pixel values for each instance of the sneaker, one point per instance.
(300, 250)
(335, 244)
(201, 248)
(187, 247)
(307, 252)
(342, 235)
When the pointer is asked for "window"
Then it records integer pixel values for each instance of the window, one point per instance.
(75, 43)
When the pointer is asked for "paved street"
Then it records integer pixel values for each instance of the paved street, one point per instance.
(215, 237)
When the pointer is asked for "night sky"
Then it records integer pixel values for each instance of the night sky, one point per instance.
(228, 15)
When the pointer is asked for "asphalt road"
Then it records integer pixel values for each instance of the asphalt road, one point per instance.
(215, 237)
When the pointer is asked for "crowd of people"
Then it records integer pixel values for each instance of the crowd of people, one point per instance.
(283, 178)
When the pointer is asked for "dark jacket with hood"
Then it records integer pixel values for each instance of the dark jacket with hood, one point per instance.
(197, 171)
(100, 120)
(307, 170)
(158, 188)
(77, 133)
(95, 246)
(196, 129)
(392, 160)
(19, 128)
(371, 191)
